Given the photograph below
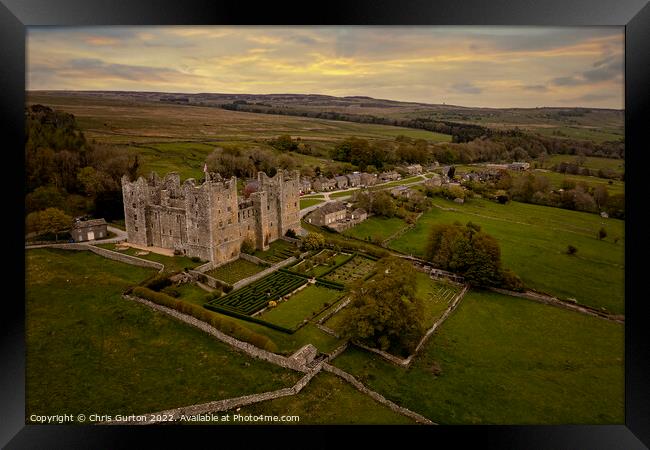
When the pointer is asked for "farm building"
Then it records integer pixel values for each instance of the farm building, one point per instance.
(368, 179)
(89, 230)
(402, 191)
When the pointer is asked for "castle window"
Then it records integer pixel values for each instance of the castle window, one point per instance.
(229, 221)
(295, 204)
(229, 209)
(135, 217)
(136, 229)
(133, 204)
(221, 223)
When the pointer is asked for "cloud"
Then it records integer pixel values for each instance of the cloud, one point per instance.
(98, 68)
(466, 88)
(610, 68)
(534, 87)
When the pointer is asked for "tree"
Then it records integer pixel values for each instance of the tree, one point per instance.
(44, 197)
(602, 233)
(384, 312)
(247, 246)
(313, 241)
(571, 250)
(601, 195)
(50, 220)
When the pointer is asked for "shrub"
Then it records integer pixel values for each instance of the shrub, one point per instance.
(510, 280)
(195, 259)
(248, 246)
(171, 291)
(159, 282)
(571, 250)
(291, 233)
(177, 252)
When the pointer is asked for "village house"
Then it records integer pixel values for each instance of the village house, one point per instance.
(327, 214)
(341, 182)
(359, 215)
(368, 179)
(305, 185)
(89, 230)
(402, 192)
(322, 184)
(519, 166)
(354, 179)
(414, 169)
(434, 181)
(389, 176)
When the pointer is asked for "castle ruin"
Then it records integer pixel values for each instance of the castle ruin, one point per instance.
(210, 220)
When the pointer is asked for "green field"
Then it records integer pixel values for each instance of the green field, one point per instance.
(377, 228)
(313, 196)
(304, 304)
(278, 251)
(328, 400)
(556, 179)
(533, 242)
(307, 202)
(235, 271)
(171, 263)
(591, 162)
(504, 360)
(191, 293)
(90, 350)
(396, 183)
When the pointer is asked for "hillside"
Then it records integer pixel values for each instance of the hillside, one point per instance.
(597, 125)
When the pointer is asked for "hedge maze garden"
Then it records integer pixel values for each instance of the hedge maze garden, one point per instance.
(255, 296)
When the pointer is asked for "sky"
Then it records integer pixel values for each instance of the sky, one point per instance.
(469, 66)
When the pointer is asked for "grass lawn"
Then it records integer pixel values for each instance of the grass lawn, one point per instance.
(332, 259)
(89, 350)
(533, 241)
(355, 269)
(396, 183)
(305, 304)
(191, 293)
(344, 193)
(329, 400)
(278, 251)
(307, 202)
(172, 263)
(310, 196)
(235, 271)
(376, 228)
(505, 360)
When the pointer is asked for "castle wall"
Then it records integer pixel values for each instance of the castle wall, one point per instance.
(209, 221)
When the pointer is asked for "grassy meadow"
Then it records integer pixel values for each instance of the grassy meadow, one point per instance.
(533, 241)
(505, 360)
(90, 350)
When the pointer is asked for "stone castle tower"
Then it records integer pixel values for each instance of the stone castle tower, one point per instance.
(209, 220)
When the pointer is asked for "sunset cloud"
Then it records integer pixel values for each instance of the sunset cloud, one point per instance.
(470, 66)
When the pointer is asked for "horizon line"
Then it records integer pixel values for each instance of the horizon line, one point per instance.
(327, 95)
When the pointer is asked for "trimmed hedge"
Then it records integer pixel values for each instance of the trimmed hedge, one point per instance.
(220, 323)
(232, 313)
(330, 284)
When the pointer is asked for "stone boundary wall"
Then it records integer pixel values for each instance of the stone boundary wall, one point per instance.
(554, 301)
(245, 347)
(110, 254)
(407, 361)
(212, 282)
(218, 405)
(327, 330)
(204, 267)
(342, 305)
(337, 351)
(375, 395)
(288, 239)
(253, 259)
(263, 273)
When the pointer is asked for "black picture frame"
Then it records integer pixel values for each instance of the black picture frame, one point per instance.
(15, 15)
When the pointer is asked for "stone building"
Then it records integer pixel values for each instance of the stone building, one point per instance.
(414, 169)
(322, 184)
(89, 230)
(354, 179)
(341, 181)
(402, 191)
(368, 179)
(328, 214)
(389, 176)
(210, 220)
